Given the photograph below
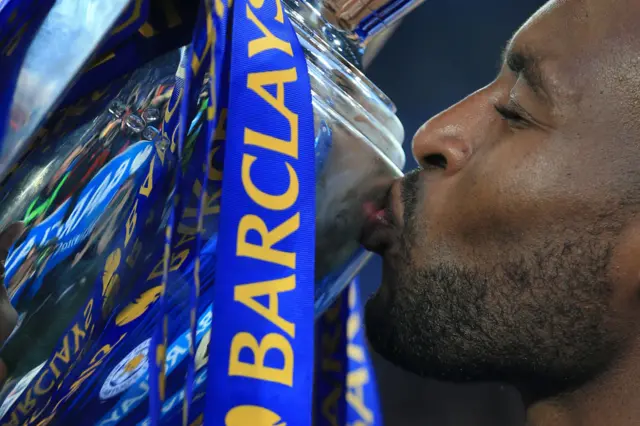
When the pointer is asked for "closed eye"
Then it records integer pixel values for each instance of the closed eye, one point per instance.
(507, 113)
(512, 116)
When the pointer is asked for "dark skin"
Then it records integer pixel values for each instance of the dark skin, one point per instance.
(8, 314)
(513, 254)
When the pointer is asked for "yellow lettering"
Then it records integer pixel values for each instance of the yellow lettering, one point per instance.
(258, 370)
(172, 109)
(28, 404)
(110, 268)
(185, 230)
(265, 251)
(157, 270)
(85, 375)
(269, 41)
(104, 351)
(213, 173)
(210, 202)
(185, 237)
(147, 186)
(221, 128)
(131, 222)
(138, 307)
(77, 334)
(172, 148)
(330, 406)
(176, 261)
(161, 353)
(279, 17)
(356, 380)
(258, 5)
(160, 149)
(134, 15)
(52, 413)
(253, 415)
(38, 387)
(87, 315)
(269, 201)
(257, 82)
(95, 362)
(147, 30)
(247, 293)
(355, 352)
(109, 300)
(13, 421)
(196, 61)
(64, 355)
(198, 420)
(106, 58)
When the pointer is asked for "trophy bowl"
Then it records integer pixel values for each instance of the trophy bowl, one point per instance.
(77, 192)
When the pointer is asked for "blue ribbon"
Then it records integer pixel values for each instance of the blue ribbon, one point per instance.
(193, 204)
(346, 392)
(260, 368)
(261, 362)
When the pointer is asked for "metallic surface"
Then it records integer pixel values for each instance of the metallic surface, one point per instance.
(347, 27)
(74, 191)
(67, 39)
(75, 194)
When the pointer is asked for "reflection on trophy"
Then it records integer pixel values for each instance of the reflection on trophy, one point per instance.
(57, 273)
(96, 199)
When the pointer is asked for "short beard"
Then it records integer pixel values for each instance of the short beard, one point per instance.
(539, 320)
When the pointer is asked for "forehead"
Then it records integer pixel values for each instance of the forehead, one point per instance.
(581, 44)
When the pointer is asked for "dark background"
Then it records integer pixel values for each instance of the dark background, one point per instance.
(443, 51)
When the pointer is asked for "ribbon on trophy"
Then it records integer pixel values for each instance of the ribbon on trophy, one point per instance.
(55, 386)
(212, 136)
(345, 387)
(196, 201)
(209, 207)
(260, 369)
(241, 100)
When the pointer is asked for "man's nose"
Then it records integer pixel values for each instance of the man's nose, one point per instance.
(448, 140)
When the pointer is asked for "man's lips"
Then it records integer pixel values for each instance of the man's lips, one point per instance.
(377, 230)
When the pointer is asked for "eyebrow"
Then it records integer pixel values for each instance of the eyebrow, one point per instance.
(527, 66)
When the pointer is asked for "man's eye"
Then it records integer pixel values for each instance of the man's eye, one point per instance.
(512, 116)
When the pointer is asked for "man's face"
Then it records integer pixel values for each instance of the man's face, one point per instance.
(513, 253)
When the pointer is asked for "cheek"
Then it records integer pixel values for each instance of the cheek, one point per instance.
(515, 192)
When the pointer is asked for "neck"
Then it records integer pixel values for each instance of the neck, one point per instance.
(613, 399)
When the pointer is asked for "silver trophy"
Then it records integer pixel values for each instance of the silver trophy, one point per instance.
(53, 268)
